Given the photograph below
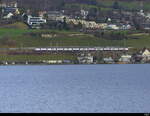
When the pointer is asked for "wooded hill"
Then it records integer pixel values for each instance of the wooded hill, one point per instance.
(58, 4)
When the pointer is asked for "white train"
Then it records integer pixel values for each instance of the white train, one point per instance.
(82, 49)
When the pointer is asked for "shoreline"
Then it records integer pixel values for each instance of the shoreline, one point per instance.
(43, 64)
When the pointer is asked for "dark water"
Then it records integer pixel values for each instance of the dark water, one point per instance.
(75, 88)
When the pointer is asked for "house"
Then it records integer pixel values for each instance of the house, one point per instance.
(146, 25)
(9, 15)
(146, 55)
(108, 60)
(12, 4)
(2, 5)
(103, 25)
(126, 27)
(8, 4)
(42, 13)
(109, 20)
(136, 58)
(113, 26)
(35, 22)
(148, 15)
(125, 58)
(84, 14)
(8, 10)
(55, 15)
(67, 61)
(83, 59)
(141, 57)
(141, 13)
(85, 24)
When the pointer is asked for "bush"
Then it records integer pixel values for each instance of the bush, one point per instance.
(7, 41)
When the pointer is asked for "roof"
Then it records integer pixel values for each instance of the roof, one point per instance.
(54, 13)
(146, 53)
(10, 9)
(108, 59)
(126, 56)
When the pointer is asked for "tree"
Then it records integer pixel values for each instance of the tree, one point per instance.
(7, 41)
(102, 34)
(80, 25)
(46, 16)
(62, 4)
(116, 5)
(25, 17)
(64, 23)
(137, 24)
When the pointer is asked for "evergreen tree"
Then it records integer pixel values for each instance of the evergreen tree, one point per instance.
(64, 23)
(116, 5)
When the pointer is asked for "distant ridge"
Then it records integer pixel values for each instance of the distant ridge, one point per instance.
(54, 4)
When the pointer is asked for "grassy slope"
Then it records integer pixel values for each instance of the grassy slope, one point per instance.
(37, 57)
(143, 40)
(64, 39)
(17, 25)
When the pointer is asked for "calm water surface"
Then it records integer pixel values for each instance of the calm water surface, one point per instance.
(75, 88)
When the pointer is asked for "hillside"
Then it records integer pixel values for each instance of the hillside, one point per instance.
(33, 38)
(58, 4)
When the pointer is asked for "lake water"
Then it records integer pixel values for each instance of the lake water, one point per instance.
(75, 88)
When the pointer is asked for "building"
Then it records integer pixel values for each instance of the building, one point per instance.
(142, 57)
(84, 13)
(42, 13)
(141, 13)
(35, 22)
(148, 15)
(54, 15)
(8, 4)
(9, 15)
(2, 5)
(67, 61)
(85, 24)
(146, 25)
(146, 55)
(125, 58)
(108, 60)
(85, 59)
(8, 10)
(126, 27)
(113, 26)
(136, 58)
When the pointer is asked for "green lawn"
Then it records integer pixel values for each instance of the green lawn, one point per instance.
(139, 43)
(37, 57)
